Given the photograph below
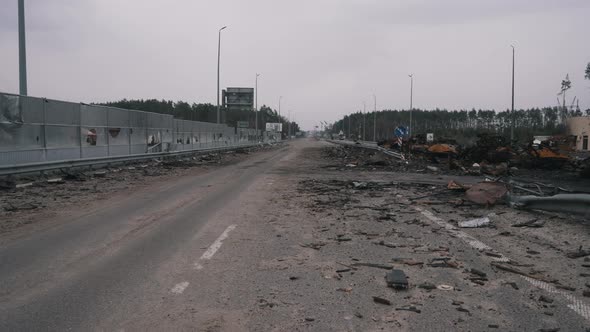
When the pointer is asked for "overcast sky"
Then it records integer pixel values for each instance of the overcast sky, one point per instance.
(326, 57)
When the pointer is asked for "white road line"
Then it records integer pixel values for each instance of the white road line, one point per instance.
(180, 287)
(577, 305)
(460, 234)
(215, 246)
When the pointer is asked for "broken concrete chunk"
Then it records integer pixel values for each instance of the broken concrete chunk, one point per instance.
(486, 193)
(397, 279)
(360, 185)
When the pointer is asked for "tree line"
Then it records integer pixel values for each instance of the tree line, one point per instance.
(206, 112)
(462, 125)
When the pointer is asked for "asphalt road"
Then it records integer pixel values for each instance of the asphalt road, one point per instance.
(96, 264)
(274, 243)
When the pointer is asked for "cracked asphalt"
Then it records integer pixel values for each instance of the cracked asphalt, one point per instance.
(281, 241)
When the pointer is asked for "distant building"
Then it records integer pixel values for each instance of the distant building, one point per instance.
(579, 126)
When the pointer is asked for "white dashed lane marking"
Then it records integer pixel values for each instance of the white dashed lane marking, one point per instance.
(575, 304)
(180, 287)
(217, 244)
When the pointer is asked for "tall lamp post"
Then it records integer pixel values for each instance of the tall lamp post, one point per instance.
(256, 105)
(375, 119)
(411, 101)
(364, 123)
(22, 51)
(512, 111)
(218, 61)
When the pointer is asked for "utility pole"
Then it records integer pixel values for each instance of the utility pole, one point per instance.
(218, 61)
(22, 50)
(256, 105)
(411, 101)
(512, 112)
(280, 97)
(364, 123)
(349, 126)
(375, 120)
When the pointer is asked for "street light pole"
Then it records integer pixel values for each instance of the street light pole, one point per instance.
(22, 51)
(280, 97)
(375, 119)
(218, 61)
(512, 112)
(349, 126)
(411, 101)
(289, 124)
(364, 123)
(256, 105)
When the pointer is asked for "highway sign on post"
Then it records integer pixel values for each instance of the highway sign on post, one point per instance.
(277, 127)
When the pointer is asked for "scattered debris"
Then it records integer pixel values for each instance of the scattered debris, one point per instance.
(486, 193)
(100, 174)
(454, 185)
(432, 168)
(397, 279)
(379, 266)
(474, 223)
(570, 203)
(578, 254)
(533, 223)
(443, 262)
(545, 299)
(381, 300)
(409, 308)
(427, 285)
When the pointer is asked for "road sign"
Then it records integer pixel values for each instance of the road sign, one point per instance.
(277, 127)
(400, 131)
(243, 124)
(430, 137)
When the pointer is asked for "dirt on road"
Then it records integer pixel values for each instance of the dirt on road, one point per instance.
(40, 198)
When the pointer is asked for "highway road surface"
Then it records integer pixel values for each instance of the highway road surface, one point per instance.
(281, 241)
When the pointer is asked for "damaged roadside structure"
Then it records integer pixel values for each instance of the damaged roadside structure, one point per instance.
(579, 127)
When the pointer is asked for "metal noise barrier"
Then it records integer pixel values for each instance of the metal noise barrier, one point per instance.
(40, 134)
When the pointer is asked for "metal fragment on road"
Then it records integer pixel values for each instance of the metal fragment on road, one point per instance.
(381, 300)
(568, 203)
(397, 279)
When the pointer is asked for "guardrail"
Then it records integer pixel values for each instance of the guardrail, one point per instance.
(64, 164)
(369, 145)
